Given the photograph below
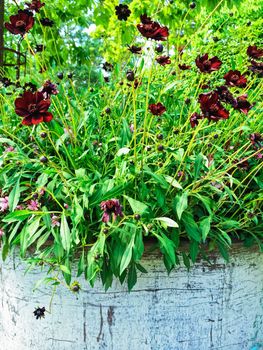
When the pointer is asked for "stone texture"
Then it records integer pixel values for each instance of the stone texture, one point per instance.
(211, 307)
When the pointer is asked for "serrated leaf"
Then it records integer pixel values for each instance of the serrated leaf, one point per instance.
(14, 196)
(137, 206)
(181, 204)
(127, 255)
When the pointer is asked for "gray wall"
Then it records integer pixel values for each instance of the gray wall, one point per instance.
(211, 307)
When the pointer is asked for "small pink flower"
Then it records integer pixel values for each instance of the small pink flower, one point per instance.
(4, 204)
(9, 149)
(20, 207)
(33, 205)
(66, 206)
(54, 221)
(41, 192)
(132, 127)
(1, 233)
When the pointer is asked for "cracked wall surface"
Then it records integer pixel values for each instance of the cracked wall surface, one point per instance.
(210, 307)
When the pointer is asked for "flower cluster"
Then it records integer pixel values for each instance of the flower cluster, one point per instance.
(152, 30)
(112, 208)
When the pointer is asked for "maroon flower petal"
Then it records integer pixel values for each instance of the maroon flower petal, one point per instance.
(47, 117)
(37, 119)
(27, 121)
(43, 106)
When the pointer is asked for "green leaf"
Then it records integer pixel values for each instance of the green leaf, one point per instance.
(65, 233)
(181, 203)
(65, 269)
(137, 207)
(166, 222)
(205, 226)
(198, 165)
(127, 255)
(194, 250)
(27, 232)
(19, 215)
(14, 196)
(168, 246)
(191, 226)
(223, 251)
(173, 182)
(132, 277)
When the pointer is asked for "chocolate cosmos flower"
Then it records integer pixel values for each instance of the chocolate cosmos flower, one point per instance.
(20, 23)
(111, 207)
(225, 95)
(194, 119)
(152, 30)
(35, 5)
(234, 78)
(163, 60)
(208, 65)
(135, 49)
(157, 109)
(183, 66)
(242, 104)
(46, 22)
(49, 89)
(211, 107)
(39, 312)
(256, 139)
(256, 67)
(122, 12)
(33, 108)
(254, 52)
(108, 67)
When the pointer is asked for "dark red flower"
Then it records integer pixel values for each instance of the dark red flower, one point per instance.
(235, 78)
(35, 5)
(46, 22)
(136, 83)
(208, 65)
(242, 104)
(183, 66)
(49, 89)
(225, 95)
(135, 49)
(20, 23)
(39, 312)
(33, 108)
(122, 12)
(108, 67)
(194, 119)
(256, 139)
(111, 207)
(211, 107)
(256, 67)
(254, 52)
(157, 109)
(163, 60)
(242, 164)
(152, 30)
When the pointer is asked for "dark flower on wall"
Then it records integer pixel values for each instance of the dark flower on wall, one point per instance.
(163, 60)
(135, 49)
(122, 12)
(49, 89)
(257, 68)
(211, 107)
(254, 52)
(242, 104)
(184, 66)
(108, 67)
(111, 207)
(208, 65)
(225, 95)
(235, 78)
(194, 119)
(20, 23)
(33, 108)
(152, 30)
(157, 109)
(39, 312)
(256, 139)
(35, 5)
(46, 22)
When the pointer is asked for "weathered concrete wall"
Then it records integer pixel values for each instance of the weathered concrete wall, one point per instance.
(219, 307)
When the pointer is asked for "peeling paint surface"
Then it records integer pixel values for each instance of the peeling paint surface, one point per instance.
(216, 307)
